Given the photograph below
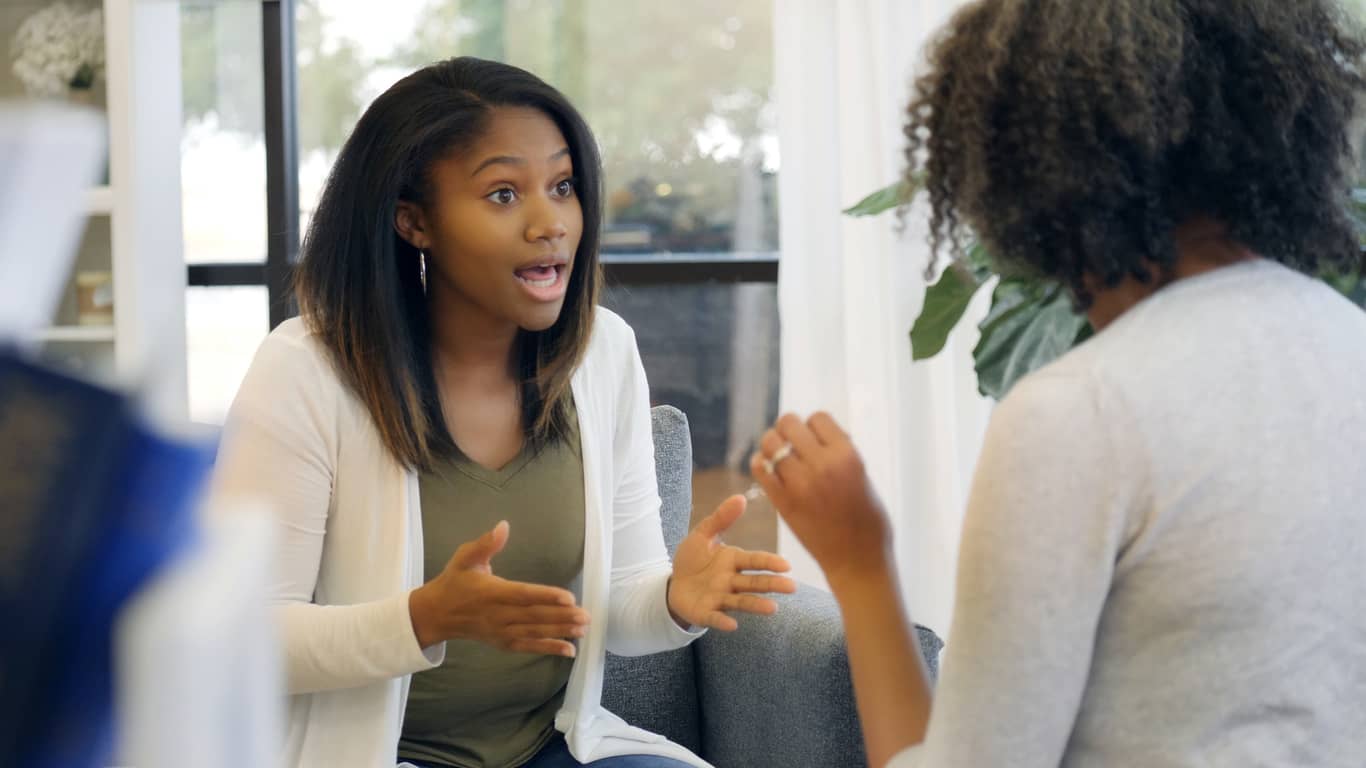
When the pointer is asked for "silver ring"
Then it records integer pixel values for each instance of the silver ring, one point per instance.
(771, 463)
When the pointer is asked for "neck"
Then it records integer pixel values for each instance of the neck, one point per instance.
(1202, 245)
(469, 344)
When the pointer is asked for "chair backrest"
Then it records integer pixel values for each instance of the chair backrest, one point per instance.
(673, 469)
(659, 692)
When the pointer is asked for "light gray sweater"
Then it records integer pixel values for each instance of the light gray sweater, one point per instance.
(1164, 556)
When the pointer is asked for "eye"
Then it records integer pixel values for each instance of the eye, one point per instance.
(565, 188)
(503, 196)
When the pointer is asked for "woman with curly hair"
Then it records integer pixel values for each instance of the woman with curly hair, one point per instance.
(1163, 559)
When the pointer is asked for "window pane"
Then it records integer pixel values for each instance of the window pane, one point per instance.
(223, 328)
(711, 350)
(223, 151)
(678, 95)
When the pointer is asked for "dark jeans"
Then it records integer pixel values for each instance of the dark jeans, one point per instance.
(555, 754)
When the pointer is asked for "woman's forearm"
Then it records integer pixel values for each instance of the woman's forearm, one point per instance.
(891, 685)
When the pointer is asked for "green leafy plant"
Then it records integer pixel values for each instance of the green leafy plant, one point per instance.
(1031, 321)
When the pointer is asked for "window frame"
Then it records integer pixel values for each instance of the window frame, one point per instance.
(280, 70)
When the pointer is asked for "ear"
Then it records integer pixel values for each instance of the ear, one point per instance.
(411, 224)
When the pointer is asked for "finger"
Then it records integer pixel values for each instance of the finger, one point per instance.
(745, 560)
(524, 594)
(794, 430)
(719, 620)
(480, 552)
(771, 444)
(543, 614)
(719, 521)
(752, 582)
(542, 647)
(749, 604)
(770, 482)
(544, 631)
(829, 431)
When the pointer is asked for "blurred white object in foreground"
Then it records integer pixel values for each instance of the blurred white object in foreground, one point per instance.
(200, 680)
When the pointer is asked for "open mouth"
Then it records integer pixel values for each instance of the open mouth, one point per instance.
(541, 276)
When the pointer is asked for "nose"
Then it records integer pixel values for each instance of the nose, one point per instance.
(546, 221)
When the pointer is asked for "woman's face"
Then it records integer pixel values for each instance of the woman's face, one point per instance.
(503, 223)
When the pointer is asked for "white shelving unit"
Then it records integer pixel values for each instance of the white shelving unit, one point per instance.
(99, 201)
(142, 41)
(138, 213)
(94, 334)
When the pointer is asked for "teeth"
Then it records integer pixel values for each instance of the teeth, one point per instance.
(546, 283)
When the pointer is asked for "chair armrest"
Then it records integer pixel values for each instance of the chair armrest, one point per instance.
(777, 691)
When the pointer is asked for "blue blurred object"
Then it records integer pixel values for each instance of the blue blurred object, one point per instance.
(94, 503)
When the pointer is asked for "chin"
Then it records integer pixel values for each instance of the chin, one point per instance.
(541, 320)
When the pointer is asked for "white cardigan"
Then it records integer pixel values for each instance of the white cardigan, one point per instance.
(350, 548)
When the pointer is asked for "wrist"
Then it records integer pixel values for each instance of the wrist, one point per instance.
(859, 575)
(669, 603)
(421, 616)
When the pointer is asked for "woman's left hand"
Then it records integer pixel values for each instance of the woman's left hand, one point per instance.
(711, 578)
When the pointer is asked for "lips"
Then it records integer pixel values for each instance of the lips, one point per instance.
(544, 280)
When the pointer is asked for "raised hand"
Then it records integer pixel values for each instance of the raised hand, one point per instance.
(710, 578)
(467, 601)
(816, 479)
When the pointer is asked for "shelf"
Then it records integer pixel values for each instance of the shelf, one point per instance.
(99, 201)
(78, 333)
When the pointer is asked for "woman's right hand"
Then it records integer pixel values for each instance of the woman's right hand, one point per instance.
(468, 602)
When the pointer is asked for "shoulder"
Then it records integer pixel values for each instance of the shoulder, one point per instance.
(1067, 433)
(294, 335)
(292, 360)
(293, 340)
(609, 328)
(1058, 397)
(613, 342)
(1069, 408)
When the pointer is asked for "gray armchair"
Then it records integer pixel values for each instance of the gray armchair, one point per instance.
(775, 692)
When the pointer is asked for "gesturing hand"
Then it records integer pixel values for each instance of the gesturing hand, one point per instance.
(466, 601)
(816, 479)
(710, 578)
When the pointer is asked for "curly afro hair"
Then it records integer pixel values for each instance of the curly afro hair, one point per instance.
(1073, 136)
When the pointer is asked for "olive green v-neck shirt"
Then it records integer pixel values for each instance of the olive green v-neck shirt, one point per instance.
(486, 708)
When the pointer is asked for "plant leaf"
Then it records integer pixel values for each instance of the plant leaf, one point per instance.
(945, 303)
(884, 199)
(1356, 212)
(979, 261)
(1351, 286)
(1030, 325)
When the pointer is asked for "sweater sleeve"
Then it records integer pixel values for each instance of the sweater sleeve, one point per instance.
(280, 447)
(1043, 530)
(638, 611)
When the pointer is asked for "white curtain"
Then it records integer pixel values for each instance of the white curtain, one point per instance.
(849, 289)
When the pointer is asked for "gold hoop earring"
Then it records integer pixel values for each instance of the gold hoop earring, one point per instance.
(422, 270)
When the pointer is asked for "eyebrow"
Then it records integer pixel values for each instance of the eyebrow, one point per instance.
(513, 160)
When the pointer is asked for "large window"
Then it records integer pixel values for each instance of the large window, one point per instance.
(223, 197)
(678, 95)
